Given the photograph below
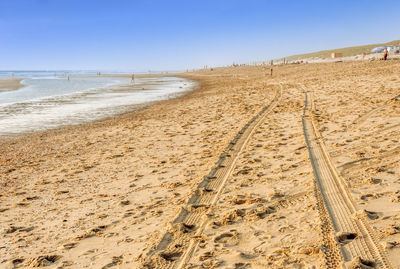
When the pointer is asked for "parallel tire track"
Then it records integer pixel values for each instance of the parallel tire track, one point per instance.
(179, 243)
(348, 240)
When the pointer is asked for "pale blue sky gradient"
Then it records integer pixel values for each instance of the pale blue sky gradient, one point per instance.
(146, 35)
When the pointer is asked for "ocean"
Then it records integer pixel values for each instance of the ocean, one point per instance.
(49, 100)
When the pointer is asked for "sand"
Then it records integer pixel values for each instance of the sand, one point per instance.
(221, 177)
(10, 84)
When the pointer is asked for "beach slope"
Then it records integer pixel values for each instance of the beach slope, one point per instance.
(300, 169)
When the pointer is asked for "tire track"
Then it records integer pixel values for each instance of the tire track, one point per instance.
(179, 243)
(360, 120)
(374, 159)
(348, 240)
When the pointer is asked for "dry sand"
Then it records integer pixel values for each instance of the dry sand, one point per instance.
(218, 178)
(10, 84)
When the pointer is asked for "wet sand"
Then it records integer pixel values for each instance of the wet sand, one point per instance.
(30, 113)
(10, 84)
(221, 177)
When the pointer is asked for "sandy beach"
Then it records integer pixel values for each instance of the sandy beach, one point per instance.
(10, 84)
(297, 170)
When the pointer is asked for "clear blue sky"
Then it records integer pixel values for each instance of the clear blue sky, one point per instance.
(168, 35)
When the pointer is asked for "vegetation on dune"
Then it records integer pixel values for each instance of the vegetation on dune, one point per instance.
(349, 51)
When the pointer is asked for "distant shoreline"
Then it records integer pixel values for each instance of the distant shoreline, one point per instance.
(130, 108)
(10, 84)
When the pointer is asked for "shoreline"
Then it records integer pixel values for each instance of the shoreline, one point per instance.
(107, 120)
(10, 84)
(131, 109)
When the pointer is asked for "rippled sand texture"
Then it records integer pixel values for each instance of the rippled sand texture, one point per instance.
(221, 177)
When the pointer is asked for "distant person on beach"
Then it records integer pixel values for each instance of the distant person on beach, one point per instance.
(271, 72)
(133, 78)
(385, 54)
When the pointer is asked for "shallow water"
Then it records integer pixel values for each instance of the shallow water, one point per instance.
(51, 102)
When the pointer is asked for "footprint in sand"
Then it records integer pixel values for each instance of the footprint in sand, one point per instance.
(247, 255)
(358, 262)
(241, 265)
(391, 245)
(44, 260)
(371, 215)
(69, 245)
(228, 239)
(344, 238)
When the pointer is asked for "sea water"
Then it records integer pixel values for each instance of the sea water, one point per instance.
(49, 101)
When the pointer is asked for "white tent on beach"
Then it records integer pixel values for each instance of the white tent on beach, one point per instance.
(378, 49)
(389, 48)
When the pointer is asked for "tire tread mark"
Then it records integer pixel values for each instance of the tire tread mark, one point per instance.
(177, 246)
(361, 119)
(336, 206)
